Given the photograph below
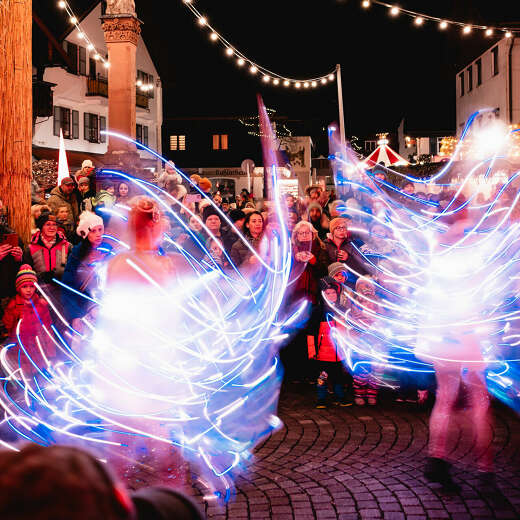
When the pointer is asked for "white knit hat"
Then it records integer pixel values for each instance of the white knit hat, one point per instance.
(87, 221)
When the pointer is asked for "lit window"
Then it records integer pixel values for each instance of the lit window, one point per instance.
(220, 141)
(177, 142)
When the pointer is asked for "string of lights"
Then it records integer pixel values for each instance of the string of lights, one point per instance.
(419, 19)
(267, 76)
(82, 35)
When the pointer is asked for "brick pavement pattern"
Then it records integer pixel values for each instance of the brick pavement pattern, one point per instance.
(367, 462)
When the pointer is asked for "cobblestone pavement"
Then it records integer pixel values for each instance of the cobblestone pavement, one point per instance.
(367, 462)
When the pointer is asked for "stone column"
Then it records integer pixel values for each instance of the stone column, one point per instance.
(121, 36)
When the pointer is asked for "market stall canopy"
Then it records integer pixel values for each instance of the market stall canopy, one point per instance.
(385, 155)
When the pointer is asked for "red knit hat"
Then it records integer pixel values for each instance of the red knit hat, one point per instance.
(25, 274)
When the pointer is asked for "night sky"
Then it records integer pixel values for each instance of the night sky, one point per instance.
(390, 68)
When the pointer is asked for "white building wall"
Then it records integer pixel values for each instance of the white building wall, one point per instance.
(71, 91)
(493, 93)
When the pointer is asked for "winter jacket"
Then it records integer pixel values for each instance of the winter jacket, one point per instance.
(83, 278)
(320, 342)
(240, 253)
(58, 198)
(47, 262)
(34, 315)
(303, 281)
(354, 260)
(104, 199)
(8, 267)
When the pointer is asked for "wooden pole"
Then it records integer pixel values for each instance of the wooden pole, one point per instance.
(16, 112)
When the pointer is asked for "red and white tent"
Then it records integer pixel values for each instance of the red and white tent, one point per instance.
(384, 154)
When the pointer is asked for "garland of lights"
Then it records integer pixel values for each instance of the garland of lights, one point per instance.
(82, 35)
(254, 122)
(242, 60)
(421, 18)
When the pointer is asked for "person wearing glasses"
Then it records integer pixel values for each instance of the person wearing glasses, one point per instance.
(339, 247)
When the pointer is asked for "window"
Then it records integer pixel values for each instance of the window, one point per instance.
(72, 52)
(479, 72)
(91, 127)
(75, 124)
(92, 68)
(177, 142)
(494, 56)
(470, 78)
(82, 65)
(62, 121)
(144, 81)
(461, 83)
(102, 127)
(141, 134)
(220, 141)
(370, 146)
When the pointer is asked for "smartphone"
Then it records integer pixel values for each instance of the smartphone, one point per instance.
(11, 239)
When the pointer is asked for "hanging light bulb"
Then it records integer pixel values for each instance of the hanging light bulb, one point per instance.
(509, 34)
(297, 84)
(467, 29)
(73, 20)
(276, 81)
(323, 81)
(443, 25)
(266, 79)
(81, 35)
(139, 83)
(214, 36)
(489, 32)
(394, 11)
(203, 20)
(331, 77)
(90, 47)
(419, 20)
(97, 56)
(229, 51)
(106, 64)
(253, 69)
(365, 4)
(314, 83)
(240, 62)
(286, 83)
(62, 4)
(306, 84)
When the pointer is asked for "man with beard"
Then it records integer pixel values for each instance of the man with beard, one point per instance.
(318, 220)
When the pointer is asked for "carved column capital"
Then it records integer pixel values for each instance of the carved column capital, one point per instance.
(121, 28)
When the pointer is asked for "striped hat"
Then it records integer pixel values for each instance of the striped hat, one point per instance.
(25, 274)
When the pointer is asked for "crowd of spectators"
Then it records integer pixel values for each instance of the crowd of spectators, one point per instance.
(330, 243)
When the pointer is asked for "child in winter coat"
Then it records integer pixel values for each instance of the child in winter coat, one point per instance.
(32, 312)
(365, 373)
(323, 348)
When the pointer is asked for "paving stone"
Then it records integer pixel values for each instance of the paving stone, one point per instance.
(355, 464)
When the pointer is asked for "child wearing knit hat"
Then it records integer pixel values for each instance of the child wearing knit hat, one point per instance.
(32, 312)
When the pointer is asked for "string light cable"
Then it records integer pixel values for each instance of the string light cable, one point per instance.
(443, 23)
(267, 75)
(82, 35)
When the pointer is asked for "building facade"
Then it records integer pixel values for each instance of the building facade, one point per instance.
(491, 81)
(80, 99)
